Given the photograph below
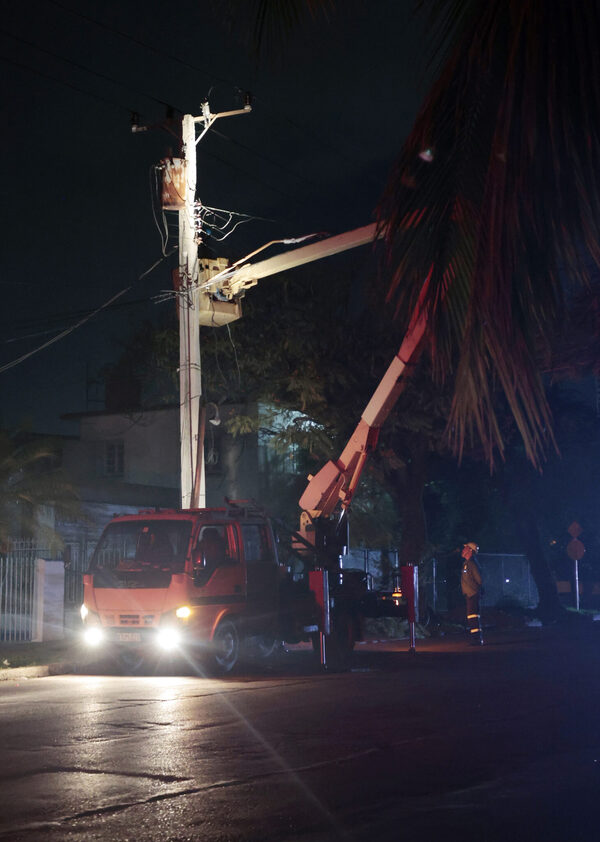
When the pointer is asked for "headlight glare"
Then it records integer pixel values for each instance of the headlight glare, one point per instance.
(168, 638)
(183, 612)
(84, 611)
(93, 635)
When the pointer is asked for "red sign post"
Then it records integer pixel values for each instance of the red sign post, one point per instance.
(575, 551)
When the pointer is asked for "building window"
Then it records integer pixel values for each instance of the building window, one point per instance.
(114, 458)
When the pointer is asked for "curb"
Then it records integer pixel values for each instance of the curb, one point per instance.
(41, 671)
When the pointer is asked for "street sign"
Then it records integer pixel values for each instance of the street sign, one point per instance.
(575, 549)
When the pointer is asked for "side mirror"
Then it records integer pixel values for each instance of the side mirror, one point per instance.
(198, 561)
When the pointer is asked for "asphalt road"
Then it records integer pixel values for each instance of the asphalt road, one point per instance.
(497, 743)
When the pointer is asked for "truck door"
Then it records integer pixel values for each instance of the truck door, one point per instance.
(261, 571)
(218, 574)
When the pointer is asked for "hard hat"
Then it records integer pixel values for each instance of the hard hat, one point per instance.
(472, 546)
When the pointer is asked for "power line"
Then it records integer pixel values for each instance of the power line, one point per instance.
(170, 56)
(209, 72)
(115, 104)
(83, 67)
(60, 318)
(137, 41)
(30, 69)
(82, 321)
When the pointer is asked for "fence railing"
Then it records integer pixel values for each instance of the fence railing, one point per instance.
(506, 577)
(17, 582)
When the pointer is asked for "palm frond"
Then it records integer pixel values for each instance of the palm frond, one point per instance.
(267, 24)
(495, 198)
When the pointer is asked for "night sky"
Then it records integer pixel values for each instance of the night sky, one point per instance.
(328, 119)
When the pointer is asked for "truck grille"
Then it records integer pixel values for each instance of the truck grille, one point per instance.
(129, 619)
(136, 619)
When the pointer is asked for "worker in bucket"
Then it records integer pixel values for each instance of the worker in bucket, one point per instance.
(470, 583)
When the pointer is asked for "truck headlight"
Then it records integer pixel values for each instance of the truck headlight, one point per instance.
(183, 612)
(168, 638)
(93, 635)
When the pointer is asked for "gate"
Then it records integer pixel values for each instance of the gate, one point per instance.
(17, 584)
(76, 556)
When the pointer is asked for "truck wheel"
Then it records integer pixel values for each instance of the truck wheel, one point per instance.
(225, 648)
(263, 649)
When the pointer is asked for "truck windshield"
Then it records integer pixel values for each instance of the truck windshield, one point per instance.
(142, 544)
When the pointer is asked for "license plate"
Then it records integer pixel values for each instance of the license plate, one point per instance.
(129, 637)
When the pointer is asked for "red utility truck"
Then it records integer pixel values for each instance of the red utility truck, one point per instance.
(209, 582)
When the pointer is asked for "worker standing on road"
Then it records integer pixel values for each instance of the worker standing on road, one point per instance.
(470, 583)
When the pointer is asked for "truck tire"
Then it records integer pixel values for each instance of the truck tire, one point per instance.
(225, 649)
(263, 650)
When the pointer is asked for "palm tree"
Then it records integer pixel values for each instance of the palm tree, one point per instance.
(495, 198)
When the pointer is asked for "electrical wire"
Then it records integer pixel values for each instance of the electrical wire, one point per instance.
(227, 273)
(137, 41)
(218, 361)
(83, 67)
(82, 321)
(225, 228)
(238, 213)
(99, 97)
(129, 111)
(295, 126)
(209, 220)
(58, 318)
(154, 190)
(64, 333)
(235, 356)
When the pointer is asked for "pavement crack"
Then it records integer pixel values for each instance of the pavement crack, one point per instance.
(79, 770)
(113, 809)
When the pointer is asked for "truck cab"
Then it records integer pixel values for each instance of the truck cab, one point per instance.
(202, 583)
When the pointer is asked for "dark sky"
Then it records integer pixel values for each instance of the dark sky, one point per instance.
(328, 119)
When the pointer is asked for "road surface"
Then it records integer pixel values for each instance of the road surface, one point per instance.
(497, 743)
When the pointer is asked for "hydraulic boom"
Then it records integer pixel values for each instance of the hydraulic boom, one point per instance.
(334, 485)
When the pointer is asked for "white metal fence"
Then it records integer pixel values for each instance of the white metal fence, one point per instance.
(17, 580)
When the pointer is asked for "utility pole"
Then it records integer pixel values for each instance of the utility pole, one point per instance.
(191, 275)
(193, 493)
